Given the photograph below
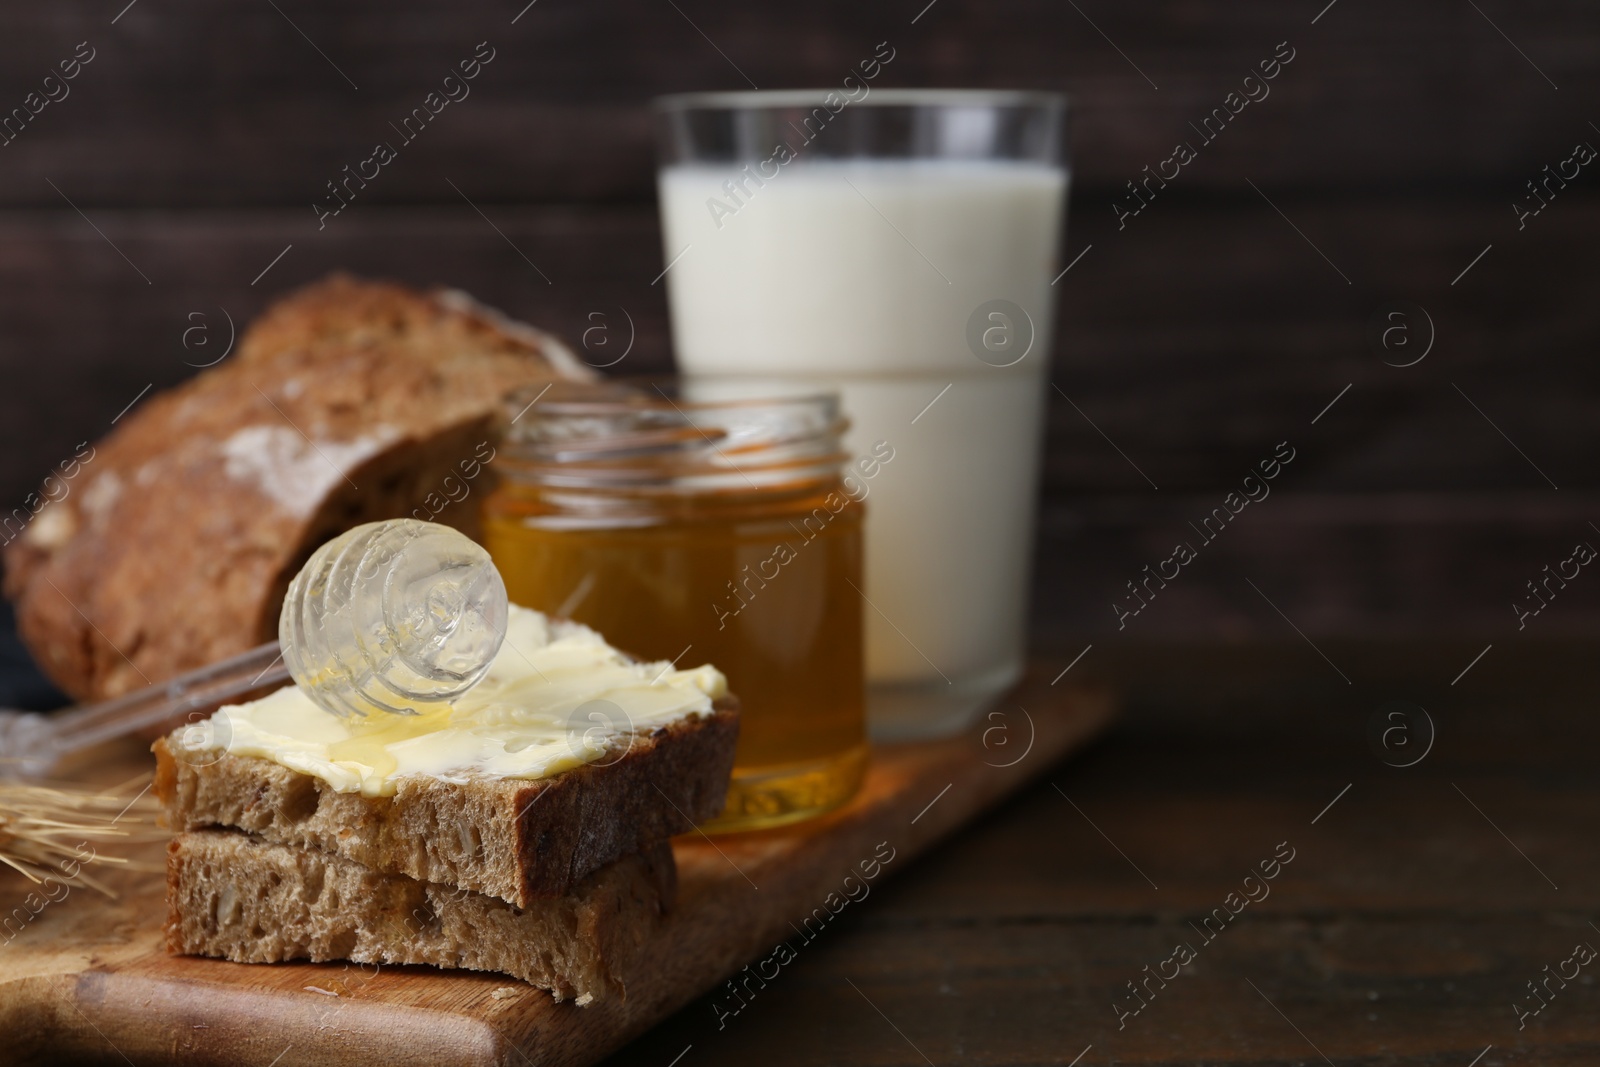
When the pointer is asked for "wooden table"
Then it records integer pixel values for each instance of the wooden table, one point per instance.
(1402, 932)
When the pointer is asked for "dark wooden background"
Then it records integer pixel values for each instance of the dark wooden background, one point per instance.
(1196, 338)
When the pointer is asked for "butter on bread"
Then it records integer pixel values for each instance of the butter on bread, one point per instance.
(346, 402)
(515, 839)
(240, 898)
(555, 696)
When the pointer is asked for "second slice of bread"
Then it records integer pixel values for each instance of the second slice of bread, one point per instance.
(516, 839)
(237, 897)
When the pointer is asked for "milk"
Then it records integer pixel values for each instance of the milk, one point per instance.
(862, 275)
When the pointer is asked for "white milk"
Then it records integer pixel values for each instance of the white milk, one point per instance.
(863, 275)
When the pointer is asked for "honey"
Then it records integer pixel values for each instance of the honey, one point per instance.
(719, 533)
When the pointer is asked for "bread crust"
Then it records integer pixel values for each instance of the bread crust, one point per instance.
(347, 402)
(515, 839)
(235, 896)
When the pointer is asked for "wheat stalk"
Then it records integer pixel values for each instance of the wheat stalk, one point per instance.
(51, 832)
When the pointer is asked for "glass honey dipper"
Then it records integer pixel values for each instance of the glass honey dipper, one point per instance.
(395, 617)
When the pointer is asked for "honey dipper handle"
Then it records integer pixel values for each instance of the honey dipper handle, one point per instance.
(387, 617)
(31, 744)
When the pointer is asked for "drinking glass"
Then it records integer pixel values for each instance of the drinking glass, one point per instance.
(898, 246)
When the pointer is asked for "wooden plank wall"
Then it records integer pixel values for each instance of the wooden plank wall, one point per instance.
(189, 150)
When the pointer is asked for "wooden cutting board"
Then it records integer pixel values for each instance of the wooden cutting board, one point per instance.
(87, 978)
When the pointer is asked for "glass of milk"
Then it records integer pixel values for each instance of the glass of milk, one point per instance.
(898, 246)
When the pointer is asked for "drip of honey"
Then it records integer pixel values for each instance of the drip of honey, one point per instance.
(369, 738)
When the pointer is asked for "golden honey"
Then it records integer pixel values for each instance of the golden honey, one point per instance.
(724, 535)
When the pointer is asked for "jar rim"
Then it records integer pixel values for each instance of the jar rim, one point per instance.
(675, 433)
(765, 99)
(636, 392)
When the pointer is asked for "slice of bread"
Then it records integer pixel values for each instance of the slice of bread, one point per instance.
(173, 542)
(514, 839)
(237, 897)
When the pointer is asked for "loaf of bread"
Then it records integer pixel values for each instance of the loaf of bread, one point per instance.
(347, 402)
(237, 897)
(514, 839)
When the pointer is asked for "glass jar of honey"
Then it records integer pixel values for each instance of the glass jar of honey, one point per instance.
(699, 530)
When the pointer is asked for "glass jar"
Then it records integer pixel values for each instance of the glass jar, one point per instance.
(702, 530)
